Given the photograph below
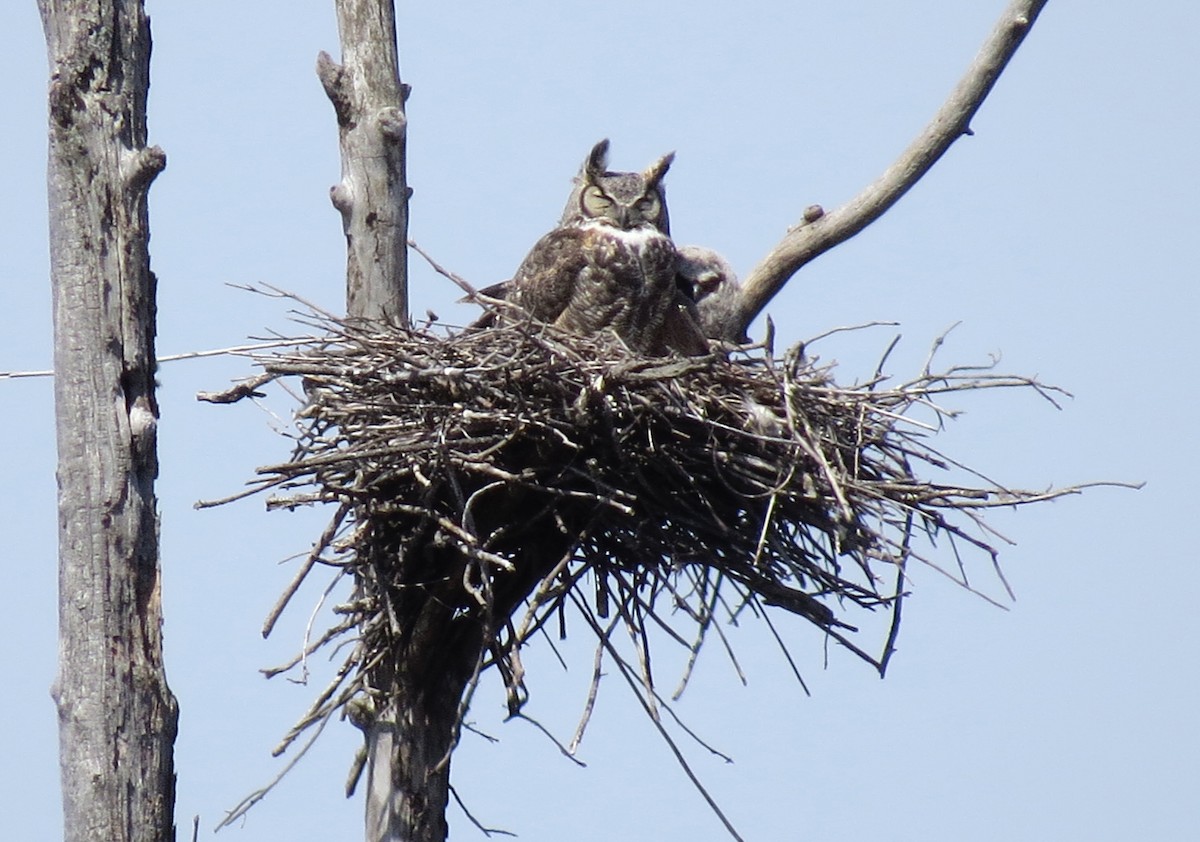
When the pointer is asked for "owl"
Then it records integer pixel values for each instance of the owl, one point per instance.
(711, 283)
(610, 263)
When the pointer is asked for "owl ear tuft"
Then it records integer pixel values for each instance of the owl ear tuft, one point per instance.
(597, 160)
(655, 172)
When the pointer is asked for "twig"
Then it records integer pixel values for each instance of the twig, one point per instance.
(232, 351)
(322, 542)
(566, 752)
(635, 686)
(593, 691)
(242, 807)
(246, 389)
(486, 831)
(457, 280)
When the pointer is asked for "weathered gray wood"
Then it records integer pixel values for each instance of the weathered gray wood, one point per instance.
(368, 98)
(117, 717)
(405, 797)
(409, 743)
(819, 232)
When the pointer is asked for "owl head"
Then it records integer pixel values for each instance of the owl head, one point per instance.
(708, 279)
(625, 200)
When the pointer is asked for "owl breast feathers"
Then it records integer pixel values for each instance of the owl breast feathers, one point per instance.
(585, 278)
(610, 264)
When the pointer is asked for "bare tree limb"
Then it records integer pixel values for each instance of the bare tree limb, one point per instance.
(819, 232)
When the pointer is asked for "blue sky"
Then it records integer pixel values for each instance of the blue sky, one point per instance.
(1060, 236)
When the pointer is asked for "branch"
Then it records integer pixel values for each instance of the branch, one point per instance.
(819, 232)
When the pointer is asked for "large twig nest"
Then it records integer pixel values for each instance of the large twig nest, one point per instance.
(490, 471)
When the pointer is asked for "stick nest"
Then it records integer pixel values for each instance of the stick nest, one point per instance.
(485, 474)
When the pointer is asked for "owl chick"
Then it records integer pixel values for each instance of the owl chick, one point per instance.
(714, 287)
(610, 263)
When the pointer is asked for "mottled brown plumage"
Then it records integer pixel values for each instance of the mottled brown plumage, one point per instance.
(610, 264)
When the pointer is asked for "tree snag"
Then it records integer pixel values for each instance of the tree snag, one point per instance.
(368, 99)
(411, 730)
(117, 717)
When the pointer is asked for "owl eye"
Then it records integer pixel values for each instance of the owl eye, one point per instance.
(648, 205)
(595, 202)
(707, 283)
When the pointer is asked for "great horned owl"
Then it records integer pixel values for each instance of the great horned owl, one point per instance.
(713, 286)
(610, 263)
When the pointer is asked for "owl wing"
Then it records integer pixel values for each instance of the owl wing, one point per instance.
(581, 279)
(545, 282)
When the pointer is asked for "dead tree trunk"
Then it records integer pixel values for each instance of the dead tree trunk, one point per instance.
(117, 717)
(368, 98)
(412, 727)
(415, 727)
